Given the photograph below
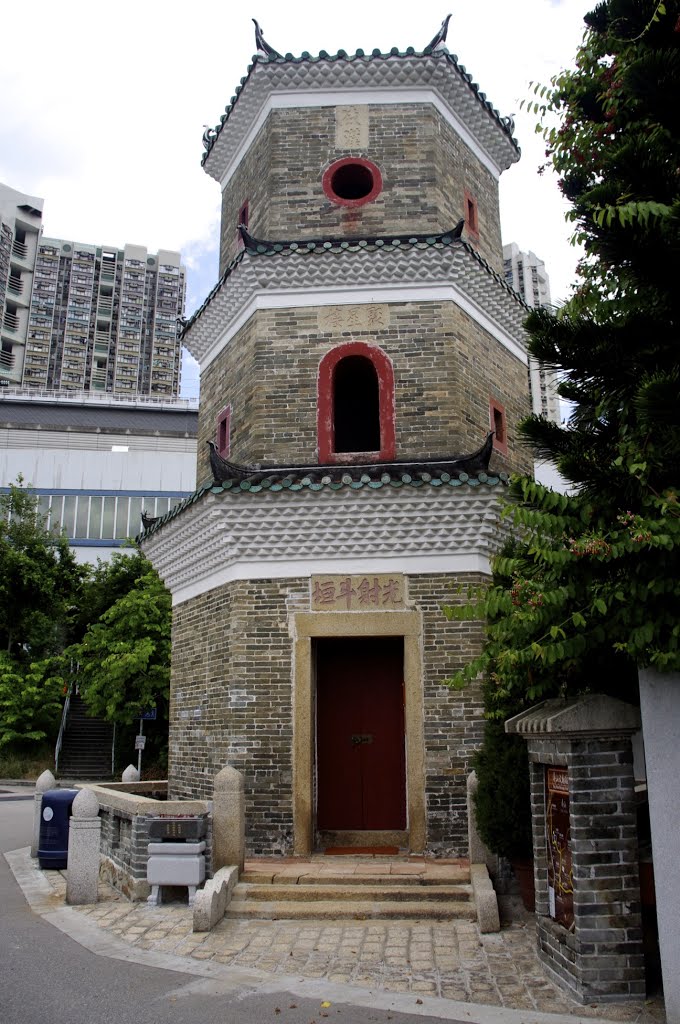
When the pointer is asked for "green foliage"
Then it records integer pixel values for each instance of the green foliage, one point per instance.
(39, 578)
(30, 702)
(124, 656)
(590, 590)
(502, 801)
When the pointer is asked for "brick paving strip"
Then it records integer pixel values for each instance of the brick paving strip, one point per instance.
(446, 959)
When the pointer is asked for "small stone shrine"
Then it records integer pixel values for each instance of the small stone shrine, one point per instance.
(363, 371)
(584, 819)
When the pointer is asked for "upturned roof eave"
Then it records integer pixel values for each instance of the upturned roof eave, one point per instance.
(310, 248)
(501, 146)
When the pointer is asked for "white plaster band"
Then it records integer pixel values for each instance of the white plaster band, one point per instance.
(304, 568)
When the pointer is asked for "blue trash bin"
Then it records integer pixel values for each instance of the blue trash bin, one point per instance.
(55, 812)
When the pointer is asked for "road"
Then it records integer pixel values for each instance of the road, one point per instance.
(48, 978)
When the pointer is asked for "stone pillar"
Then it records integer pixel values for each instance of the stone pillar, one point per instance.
(660, 707)
(478, 850)
(82, 874)
(585, 844)
(45, 781)
(229, 821)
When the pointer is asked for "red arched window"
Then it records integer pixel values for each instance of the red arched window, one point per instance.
(355, 409)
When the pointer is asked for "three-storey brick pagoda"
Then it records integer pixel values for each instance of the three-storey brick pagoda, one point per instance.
(356, 354)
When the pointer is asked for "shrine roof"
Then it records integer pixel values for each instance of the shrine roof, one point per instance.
(439, 70)
(454, 472)
(447, 240)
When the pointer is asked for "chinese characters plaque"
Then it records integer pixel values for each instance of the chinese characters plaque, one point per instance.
(371, 317)
(560, 882)
(384, 592)
(351, 126)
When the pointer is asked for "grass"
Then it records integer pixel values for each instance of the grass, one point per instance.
(26, 765)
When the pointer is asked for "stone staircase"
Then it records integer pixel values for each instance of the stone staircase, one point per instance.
(86, 745)
(348, 888)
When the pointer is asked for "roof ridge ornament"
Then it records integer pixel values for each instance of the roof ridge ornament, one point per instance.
(439, 41)
(261, 43)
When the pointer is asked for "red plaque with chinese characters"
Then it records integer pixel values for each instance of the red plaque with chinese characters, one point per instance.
(560, 881)
(370, 593)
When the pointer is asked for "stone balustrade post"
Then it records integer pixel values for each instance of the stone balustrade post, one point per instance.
(82, 875)
(229, 821)
(45, 781)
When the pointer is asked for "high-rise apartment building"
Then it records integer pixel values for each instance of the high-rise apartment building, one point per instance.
(104, 319)
(20, 225)
(526, 273)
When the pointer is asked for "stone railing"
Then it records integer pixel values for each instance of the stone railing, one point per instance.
(126, 808)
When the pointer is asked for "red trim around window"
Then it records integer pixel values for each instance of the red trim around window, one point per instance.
(325, 407)
(498, 423)
(223, 431)
(471, 214)
(347, 162)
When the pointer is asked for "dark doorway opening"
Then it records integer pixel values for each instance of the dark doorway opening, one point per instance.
(361, 765)
(356, 406)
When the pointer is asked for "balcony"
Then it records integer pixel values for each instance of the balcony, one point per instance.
(20, 250)
(7, 360)
(11, 321)
(15, 285)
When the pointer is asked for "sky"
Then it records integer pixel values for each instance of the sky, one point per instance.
(102, 108)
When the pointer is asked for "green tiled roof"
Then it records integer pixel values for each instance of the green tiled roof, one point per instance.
(505, 123)
(338, 478)
(309, 247)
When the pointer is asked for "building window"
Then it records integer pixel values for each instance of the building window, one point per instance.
(355, 411)
(471, 215)
(498, 424)
(352, 182)
(224, 431)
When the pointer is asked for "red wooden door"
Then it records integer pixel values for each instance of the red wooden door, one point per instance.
(360, 734)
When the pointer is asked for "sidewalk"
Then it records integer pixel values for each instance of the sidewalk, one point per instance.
(445, 969)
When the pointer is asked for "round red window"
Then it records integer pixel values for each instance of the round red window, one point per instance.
(352, 181)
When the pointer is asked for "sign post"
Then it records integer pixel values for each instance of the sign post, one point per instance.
(140, 738)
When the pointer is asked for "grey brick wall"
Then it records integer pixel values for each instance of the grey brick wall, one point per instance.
(446, 368)
(425, 168)
(231, 703)
(602, 958)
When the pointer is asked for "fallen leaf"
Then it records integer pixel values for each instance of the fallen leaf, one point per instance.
(293, 1006)
(325, 1003)
(277, 1009)
(419, 1002)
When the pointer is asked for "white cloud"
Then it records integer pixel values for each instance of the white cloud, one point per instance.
(102, 107)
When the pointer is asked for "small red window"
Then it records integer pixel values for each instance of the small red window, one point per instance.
(352, 181)
(471, 214)
(498, 424)
(224, 431)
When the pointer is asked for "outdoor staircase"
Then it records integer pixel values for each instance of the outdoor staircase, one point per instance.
(86, 745)
(344, 888)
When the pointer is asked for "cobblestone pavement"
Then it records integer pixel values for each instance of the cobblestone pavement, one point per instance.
(450, 959)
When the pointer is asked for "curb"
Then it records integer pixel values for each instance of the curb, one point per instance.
(38, 892)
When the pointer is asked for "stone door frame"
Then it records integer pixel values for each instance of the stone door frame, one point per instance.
(307, 627)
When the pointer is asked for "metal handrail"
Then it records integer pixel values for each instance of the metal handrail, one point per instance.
(62, 728)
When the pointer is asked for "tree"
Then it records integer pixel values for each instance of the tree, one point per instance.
(39, 579)
(594, 584)
(124, 656)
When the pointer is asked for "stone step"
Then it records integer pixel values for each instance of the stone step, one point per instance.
(348, 910)
(353, 893)
(451, 875)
